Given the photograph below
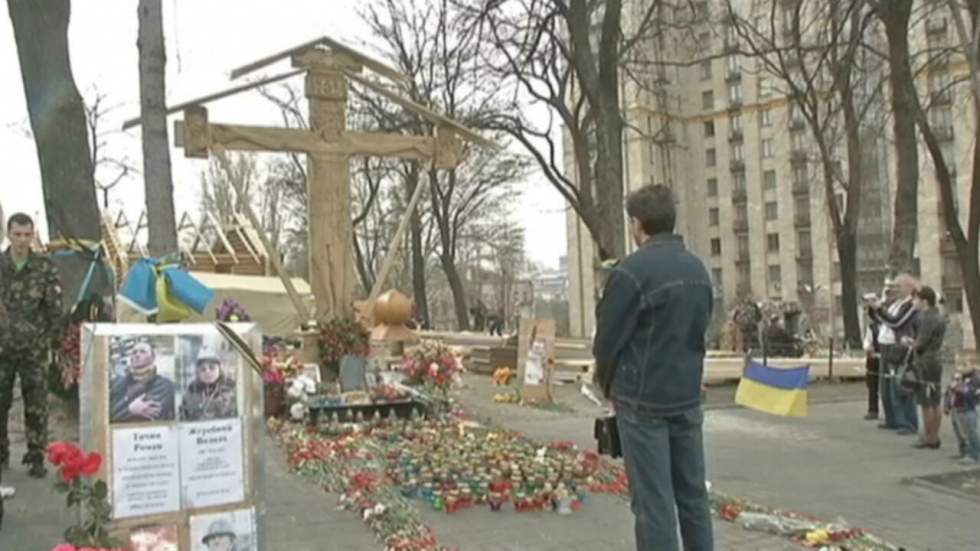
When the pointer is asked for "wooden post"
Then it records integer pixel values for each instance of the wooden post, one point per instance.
(330, 224)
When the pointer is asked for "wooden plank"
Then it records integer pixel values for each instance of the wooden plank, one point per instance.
(218, 95)
(222, 236)
(424, 112)
(365, 60)
(389, 258)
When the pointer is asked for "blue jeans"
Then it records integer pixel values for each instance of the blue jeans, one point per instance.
(664, 459)
(965, 423)
(902, 403)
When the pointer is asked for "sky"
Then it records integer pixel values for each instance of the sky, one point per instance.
(205, 41)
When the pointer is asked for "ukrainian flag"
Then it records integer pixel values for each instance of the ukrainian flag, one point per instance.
(775, 390)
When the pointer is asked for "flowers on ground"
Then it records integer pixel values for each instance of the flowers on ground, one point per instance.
(433, 364)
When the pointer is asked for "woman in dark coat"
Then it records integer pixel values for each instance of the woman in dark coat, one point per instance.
(929, 332)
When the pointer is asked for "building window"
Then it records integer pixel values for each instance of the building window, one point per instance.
(739, 181)
(742, 215)
(803, 243)
(767, 148)
(736, 123)
(805, 270)
(707, 99)
(802, 206)
(709, 157)
(799, 174)
(712, 187)
(743, 246)
(796, 141)
(734, 93)
(772, 242)
(736, 152)
(775, 275)
(709, 129)
(716, 276)
(765, 117)
(706, 69)
(765, 86)
(769, 180)
(713, 216)
(732, 64)
(772, 210)
(716, 246)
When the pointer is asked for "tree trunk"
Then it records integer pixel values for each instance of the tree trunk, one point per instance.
(157, 182)
(57, 117)
(459, 295)
(847, 252)
(419, 291)
(895, 15)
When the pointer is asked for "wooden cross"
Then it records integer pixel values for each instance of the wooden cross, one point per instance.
(329, 145)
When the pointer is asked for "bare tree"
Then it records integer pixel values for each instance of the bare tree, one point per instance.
(218, 194)
(57, 116)
(157, 181)
(895, 15)
(965, 17)
(108, 171)
(815, 51)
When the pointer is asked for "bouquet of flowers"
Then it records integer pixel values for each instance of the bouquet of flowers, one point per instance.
(298, 392)
(341, 337)
(69, 362)
(432, 364)
(231, 311)
(93, 530)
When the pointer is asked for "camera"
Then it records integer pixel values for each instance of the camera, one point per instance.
(869, 297)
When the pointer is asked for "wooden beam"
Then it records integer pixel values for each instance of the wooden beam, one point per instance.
(287, 282)
(424, 112)
(236, 137)
(218, 95)
(389, 258)
(221, 234)
(365, 60)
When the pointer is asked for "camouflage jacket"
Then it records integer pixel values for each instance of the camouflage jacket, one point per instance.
(31, 298)
(215, 401)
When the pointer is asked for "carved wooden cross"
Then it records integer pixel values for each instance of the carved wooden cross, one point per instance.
(329, 146)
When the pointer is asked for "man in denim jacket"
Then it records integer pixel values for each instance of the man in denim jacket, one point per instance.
(649, 349)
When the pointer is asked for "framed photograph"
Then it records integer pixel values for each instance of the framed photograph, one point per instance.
(142, 388)
(208, 370)
(229, 531)
(154, 538)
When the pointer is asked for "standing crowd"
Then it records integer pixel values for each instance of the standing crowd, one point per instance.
(903, 342)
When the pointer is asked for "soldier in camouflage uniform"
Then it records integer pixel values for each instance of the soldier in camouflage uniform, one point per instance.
(212, 393)
(30, 291)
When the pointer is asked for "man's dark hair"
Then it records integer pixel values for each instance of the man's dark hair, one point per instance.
(927, 294)
(653, 206)
(20, 219)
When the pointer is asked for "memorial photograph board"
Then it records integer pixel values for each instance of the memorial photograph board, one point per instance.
(177, 412)
(535, 359)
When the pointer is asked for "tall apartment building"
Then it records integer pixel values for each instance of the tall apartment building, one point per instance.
(714, 126)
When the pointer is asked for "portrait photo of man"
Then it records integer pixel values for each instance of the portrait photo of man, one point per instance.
(212, 391)
(230, 531)
(143, 389)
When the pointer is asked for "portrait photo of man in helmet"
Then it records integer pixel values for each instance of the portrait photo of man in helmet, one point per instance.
(211, 392)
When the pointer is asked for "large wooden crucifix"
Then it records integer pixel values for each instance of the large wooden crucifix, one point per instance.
(330, 67)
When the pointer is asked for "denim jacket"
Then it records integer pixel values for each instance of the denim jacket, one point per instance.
(649, 345)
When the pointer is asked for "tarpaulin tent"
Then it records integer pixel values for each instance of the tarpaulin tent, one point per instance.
(264, 298)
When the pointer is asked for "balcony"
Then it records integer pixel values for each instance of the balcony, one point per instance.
(801, 220)
(935, 26)
(730, 46)
(797, 124)
(661, 80)
(940, 97)
(742, 259)
(741, 226)
(739, 195)
(735, 136)
(944, 133)
(797, 156)
(733, 76)
(805, 254)
(737, 166)
(734, 104)
(801, 188)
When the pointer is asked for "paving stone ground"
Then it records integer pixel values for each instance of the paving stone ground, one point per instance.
(831, 464)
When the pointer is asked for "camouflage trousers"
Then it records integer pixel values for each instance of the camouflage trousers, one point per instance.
(31, 367)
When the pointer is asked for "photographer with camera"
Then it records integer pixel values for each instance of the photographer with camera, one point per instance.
(649, 350)
(896, 317)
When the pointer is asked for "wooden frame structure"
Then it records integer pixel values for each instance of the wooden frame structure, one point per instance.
(330, 68)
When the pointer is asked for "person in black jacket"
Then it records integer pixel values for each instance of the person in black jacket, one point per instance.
(930, 328)
(872, 367)
(649, 349)
(897, 321)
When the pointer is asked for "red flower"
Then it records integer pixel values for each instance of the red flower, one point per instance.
(62, 452)
(91, 464)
